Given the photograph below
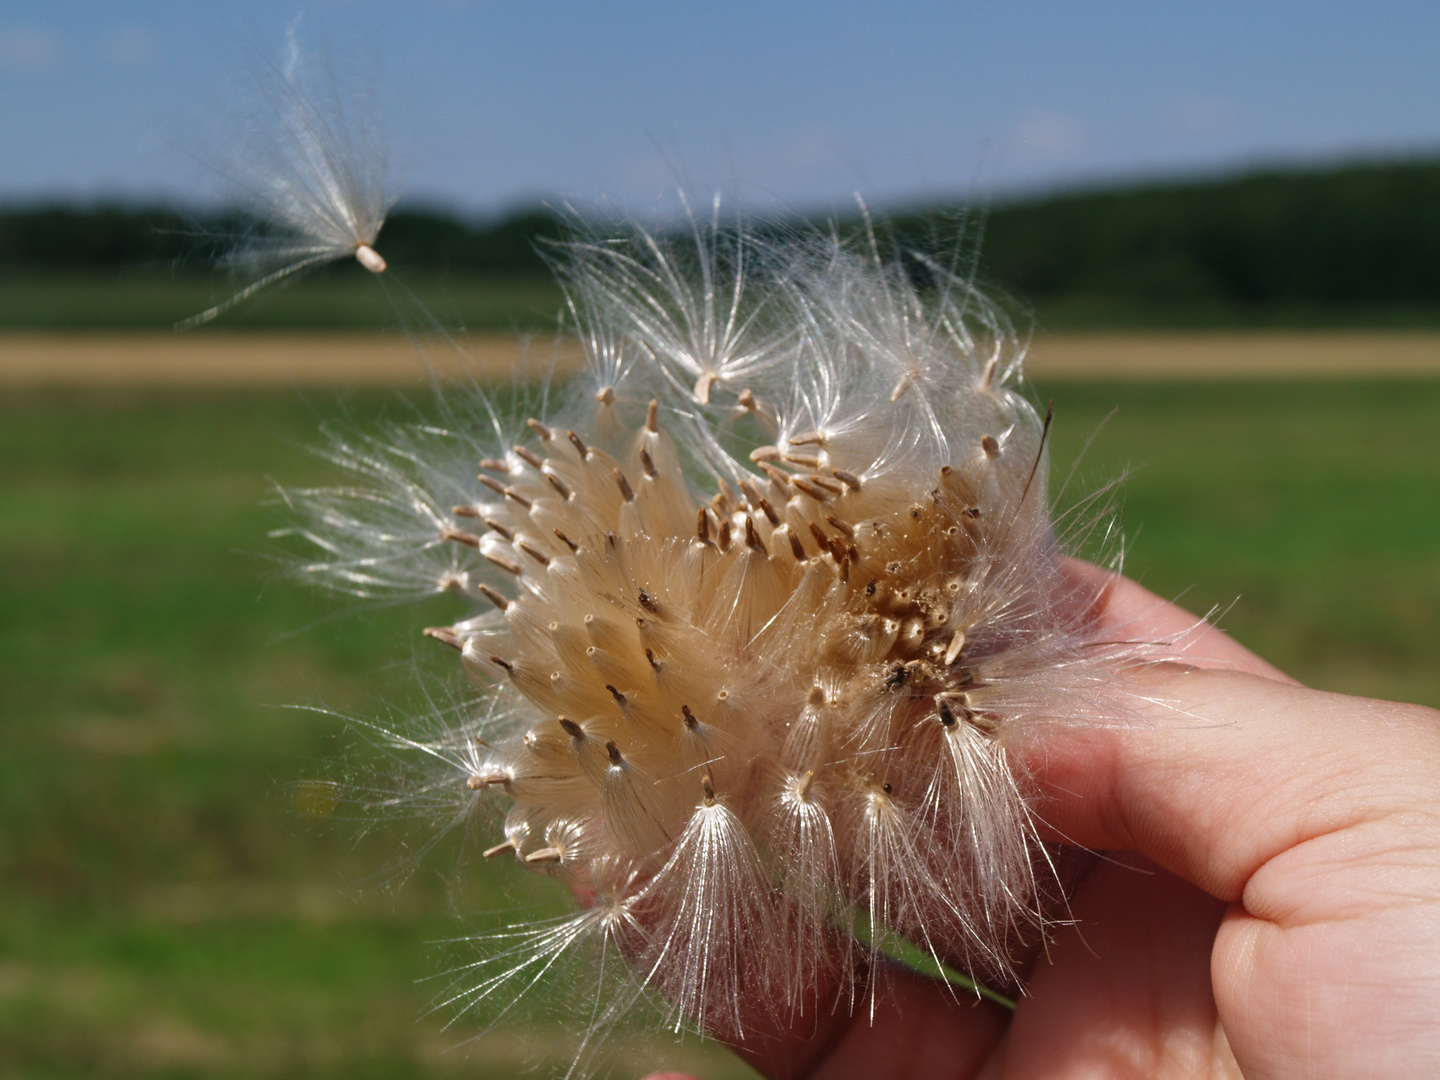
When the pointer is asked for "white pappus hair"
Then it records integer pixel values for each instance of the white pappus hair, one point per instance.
(762, 604)
(312, 167)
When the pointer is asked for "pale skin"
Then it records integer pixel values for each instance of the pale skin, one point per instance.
(1268, 907)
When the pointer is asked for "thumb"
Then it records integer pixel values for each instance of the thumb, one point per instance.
(1223, 771)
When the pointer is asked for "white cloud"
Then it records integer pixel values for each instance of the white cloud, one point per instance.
(28, 48)
(1049, 134)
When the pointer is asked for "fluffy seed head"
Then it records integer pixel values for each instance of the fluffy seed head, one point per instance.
(313, 166)
(764, 602)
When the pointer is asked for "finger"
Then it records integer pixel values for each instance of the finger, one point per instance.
(1125, 991)
(915, 1026)
(1221, 771)
(1129, 611)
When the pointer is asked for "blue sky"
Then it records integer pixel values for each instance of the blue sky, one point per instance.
(802, 104)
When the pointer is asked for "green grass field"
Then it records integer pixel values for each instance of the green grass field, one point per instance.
(168, 909)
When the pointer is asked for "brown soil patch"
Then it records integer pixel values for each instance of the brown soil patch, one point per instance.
(1271, 354)
(261, 360)
(258, 360)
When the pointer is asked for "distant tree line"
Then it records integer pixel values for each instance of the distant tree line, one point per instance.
(111, 237)
(1363, 233)
(1348, 235)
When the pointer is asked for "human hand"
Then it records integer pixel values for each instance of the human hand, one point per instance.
(1268, 905)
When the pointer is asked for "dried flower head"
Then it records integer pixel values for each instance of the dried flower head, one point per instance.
(762, 604)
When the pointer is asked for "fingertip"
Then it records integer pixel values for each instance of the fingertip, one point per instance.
(1217, 772)
(1127, 611)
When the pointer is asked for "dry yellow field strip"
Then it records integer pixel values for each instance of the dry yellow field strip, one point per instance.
(258, 360)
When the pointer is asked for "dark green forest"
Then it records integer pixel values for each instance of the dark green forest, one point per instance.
(1348, 245)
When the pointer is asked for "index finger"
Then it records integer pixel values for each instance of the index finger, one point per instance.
(1224, 763)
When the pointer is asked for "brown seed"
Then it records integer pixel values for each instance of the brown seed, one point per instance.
(534, 552)
(561, 488)
(752, 538)
(545, 855)
(848, 479)
(804, 484)
(579, 444)
(614, 752)
(990, 446)
(495, 597)
(605, 395)
(496, 527)
(445, 634)
(689, 716)
(807, 438)
(651, 413)
(648, 464)
(493, 484)
(500, 849)
(571, 728)
(765, 453)
(566, 540)
(509, 566)
(702, 525)
(778, 476)
(540, 429)
(468, 539)
(494, 465)
(511, 493)
(465, 511)
(530, 458)
(626, 492)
